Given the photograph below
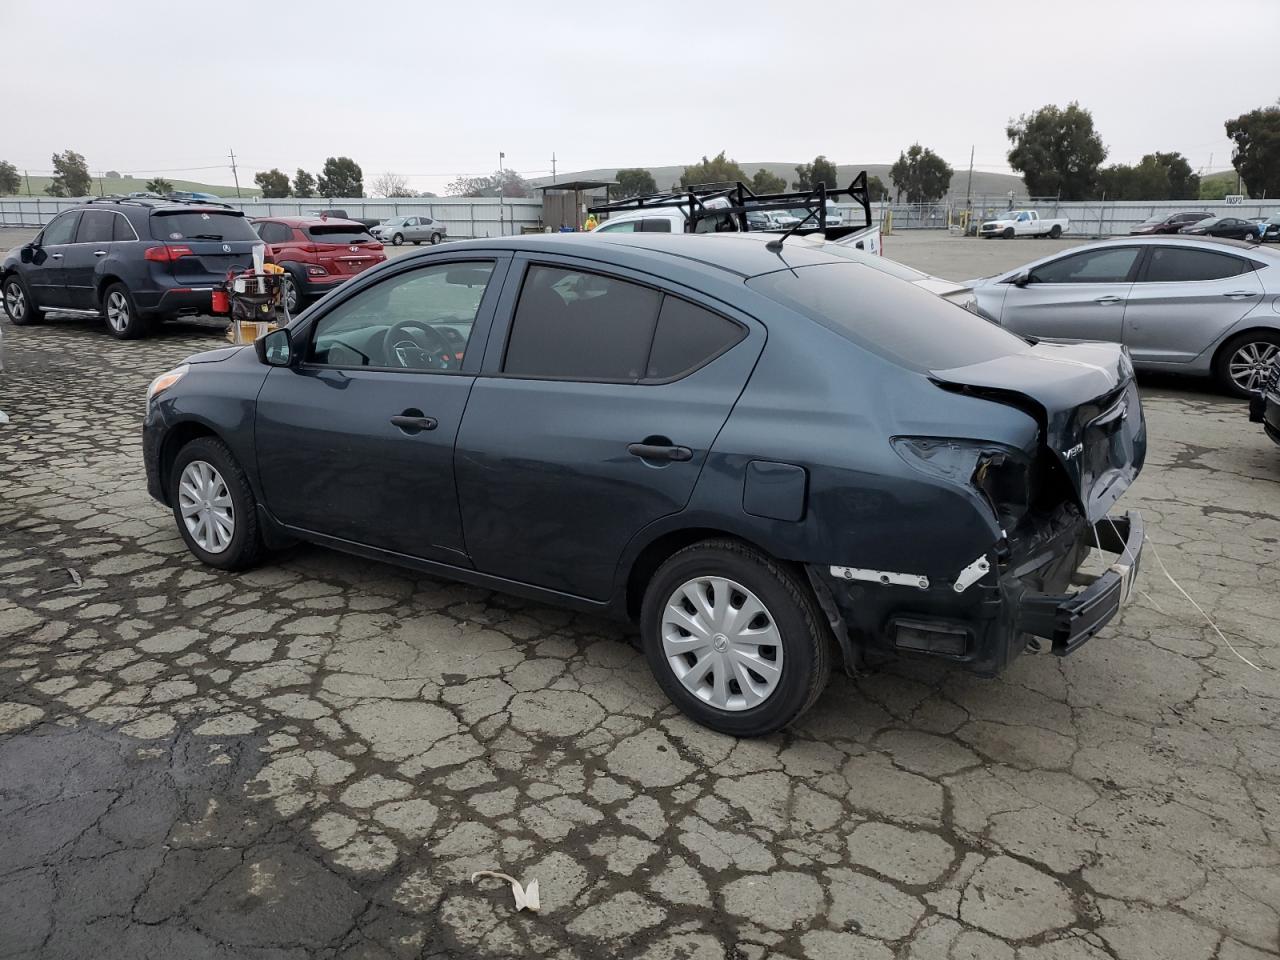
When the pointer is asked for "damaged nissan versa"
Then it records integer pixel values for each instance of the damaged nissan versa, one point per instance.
(775, 459)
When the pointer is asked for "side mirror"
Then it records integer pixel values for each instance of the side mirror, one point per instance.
(275, 349)
(28, 253)
(1021, 279)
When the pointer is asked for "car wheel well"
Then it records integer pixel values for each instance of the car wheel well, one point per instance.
(656, 553)
(1220, 352)
(178, 437)
(105, 281)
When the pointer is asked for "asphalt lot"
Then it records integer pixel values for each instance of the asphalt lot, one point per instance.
(310, 759)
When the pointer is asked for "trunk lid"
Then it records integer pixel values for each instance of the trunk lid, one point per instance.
(1085, 399)
(219, 240)
(210, 260)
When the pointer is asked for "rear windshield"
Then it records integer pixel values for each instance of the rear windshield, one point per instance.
(339, 233)
(893, 319)
(201, 225)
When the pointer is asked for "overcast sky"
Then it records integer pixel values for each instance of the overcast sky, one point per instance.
(434, 90)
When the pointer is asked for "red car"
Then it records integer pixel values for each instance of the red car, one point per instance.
(318, 252)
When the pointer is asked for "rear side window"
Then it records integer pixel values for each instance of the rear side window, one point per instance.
(892, 319)
(95, 226)
(625, 226)
(201, 225)
(574, 325)
(1173, 264)
(122, 229)
(339, 233)
(1093, 266)
(274, 232)
(687, 338)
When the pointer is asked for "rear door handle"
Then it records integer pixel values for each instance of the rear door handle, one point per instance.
(655, 451)
(99, 253)
(414, 424)
(55, 256)
(1240, 294)
(1109, 299)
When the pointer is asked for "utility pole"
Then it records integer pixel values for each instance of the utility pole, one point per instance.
(100, 192)
(27, 174)
(234, 174)
(502, 229)
(553, 166)
(968, 193)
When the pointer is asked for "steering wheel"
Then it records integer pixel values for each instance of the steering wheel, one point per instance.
(415, 344)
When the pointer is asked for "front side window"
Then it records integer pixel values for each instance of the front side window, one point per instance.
(657, 225)
(1174, 264)
(61, 229)
(420, 320)
(1093, 266)
(574, 325)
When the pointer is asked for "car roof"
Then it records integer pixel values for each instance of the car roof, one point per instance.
(1195, 239)
(154, 205)
(307, 221)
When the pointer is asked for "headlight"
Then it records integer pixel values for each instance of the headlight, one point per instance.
(166, 380)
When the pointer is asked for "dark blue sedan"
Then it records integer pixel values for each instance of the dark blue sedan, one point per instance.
(770, 456)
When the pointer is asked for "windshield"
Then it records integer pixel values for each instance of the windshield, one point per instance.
(1209, 222)
(201, 225)
(1151, 221)
(339, 233)
(892, 319)
(395, 222)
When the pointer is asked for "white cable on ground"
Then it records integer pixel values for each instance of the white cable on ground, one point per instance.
(1169, 576)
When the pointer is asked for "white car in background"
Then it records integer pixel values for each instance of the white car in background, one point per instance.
(1023, 223)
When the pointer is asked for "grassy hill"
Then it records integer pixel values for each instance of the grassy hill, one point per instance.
(984, 184)
(1215, 186)
(136, 184)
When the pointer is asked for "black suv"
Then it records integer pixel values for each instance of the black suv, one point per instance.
(135, 262)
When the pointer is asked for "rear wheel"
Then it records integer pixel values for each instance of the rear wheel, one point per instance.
(1243, 363)
(1055, 231)
(18, 305)
(435, 238)
(397, 239)
(734, 638)
(123, 320)
(214, 506)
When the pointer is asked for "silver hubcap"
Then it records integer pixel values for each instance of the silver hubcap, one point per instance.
(1251, 364)
(117, 311)
(15, 302)
(722, 643)
(205, 504)
(290, 294)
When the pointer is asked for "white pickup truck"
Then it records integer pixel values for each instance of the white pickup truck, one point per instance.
(1023, 223)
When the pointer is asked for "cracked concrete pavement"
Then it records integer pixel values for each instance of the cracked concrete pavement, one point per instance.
(309, 759)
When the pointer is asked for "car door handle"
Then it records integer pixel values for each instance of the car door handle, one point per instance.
(411, 423)
(55, 256)
(1109, 299)
(99, 253)
(657, 451)
(1240, 294)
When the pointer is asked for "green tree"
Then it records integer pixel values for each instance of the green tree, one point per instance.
(809, 175)
(718, 169)
(70, 175)
(876, 190)
(1184, 183)
(1158, 176)
(10, 182)
(921, 175)
(762, 181)
(340, 177)
(1057, 151)
(112, 174)
(304, 184)
(1257, 157)
(159, 185)
(633, 182)
(274, 183)
(506, 183)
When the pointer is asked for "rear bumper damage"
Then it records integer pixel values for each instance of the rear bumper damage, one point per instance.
(995, 607)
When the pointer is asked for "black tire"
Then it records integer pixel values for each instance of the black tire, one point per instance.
(291, 279)
(1055, 231)
(435, 238)
(1008, 233)
(22, 311)
(806, 647)
(397, 239)
(1261, 340)
(245, 545)
(123, 320)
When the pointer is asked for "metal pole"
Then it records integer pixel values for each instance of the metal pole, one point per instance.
(27, 174)
(501, 229)
(234, 174)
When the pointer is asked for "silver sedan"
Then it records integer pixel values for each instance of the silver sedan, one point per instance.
(1180, 304)
(414, 229)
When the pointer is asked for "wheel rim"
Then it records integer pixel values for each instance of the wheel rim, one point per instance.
(397, 240)
(722, 643)
(117, 311)
(15, 301)
(1250, 365)
(205, 504)
(435, 238)
(290, 293)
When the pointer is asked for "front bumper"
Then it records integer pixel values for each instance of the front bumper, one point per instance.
(153, 430)
(1019, 602)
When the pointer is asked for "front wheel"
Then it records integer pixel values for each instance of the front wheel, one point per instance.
(1244, 363)
(1008, 233)
(734, 638)
(18, 305)
(123, 320)
(214, 505)
(290, 294)
(397, 239)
